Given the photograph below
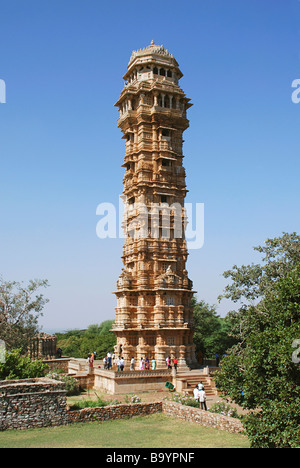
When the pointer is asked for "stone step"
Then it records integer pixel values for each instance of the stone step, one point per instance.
(208, 390)
(189, 382)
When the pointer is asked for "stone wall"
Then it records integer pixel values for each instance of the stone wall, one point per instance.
(42, 403)
(58, 364)
(117, 383)
(173, 409)
(32, 403)
(205, 418)
(108, 413)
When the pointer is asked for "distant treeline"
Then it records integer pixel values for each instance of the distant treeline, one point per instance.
(79, 343)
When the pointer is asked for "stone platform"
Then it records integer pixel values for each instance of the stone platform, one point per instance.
(116, 383)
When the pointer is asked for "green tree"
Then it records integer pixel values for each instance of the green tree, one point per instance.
(259, 372)
(20, 308)
(79, 343)
(20, 367)
(212, 333)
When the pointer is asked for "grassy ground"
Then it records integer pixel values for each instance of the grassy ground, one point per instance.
(154, 431)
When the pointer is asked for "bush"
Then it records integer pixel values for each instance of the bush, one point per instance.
(183, 400)
(21, 367)
(72, 386)
(81, 404)
(223, 408)
(132, 399)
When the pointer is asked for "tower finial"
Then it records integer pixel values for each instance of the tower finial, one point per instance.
(152, 42)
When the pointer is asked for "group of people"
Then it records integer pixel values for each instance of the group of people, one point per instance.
(200, 395)
(144, 364)
(108, 361)
(169, 362)
(111, 360)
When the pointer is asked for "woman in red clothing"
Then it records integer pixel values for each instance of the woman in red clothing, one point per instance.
(175, 362)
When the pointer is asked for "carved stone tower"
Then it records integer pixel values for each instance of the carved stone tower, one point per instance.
(154, 314)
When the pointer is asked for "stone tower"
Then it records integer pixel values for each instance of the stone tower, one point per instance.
(154, 316)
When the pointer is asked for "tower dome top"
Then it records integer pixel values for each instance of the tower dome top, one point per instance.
(155, 55)
(152, 49)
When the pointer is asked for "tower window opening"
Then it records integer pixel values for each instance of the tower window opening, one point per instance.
(171, 341)
(162, 72)
(155, 71)
(169, 73)
(150, 340)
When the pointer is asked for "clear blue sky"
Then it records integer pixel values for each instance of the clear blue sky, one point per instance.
(61, 150)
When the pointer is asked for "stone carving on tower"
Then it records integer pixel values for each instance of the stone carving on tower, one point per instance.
(154, 317)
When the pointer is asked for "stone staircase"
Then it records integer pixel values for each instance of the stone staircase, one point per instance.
(185, 383)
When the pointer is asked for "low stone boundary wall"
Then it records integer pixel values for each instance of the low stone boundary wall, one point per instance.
(32, 403)
(205, 418)
(188, 413)
(42, 403)
(107, 413)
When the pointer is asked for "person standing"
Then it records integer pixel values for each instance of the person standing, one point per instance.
(168, 360)
(147, 365)
(200, 386)
(202, 399)
(175, 362)
(153, 363)
(132, 364)
(118, 363)
(196, 393)
(109, 360)
(122, 364)
(88, 361)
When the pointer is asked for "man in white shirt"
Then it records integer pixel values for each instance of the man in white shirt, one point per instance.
(118, 363)
(196, 393)
(122, 364)
(132, 363)
(202, 399)
(200, 386)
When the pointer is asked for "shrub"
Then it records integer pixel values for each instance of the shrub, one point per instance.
(81, 404)
(132, 399)
(223, 408)
(183, 400)
(72, 386)
(21, 367)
